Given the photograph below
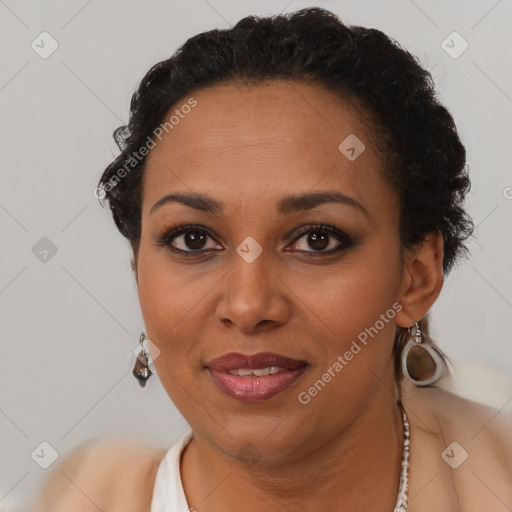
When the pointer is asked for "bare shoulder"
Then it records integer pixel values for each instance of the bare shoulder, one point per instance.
(106, 473)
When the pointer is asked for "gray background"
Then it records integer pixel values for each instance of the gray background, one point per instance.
(69, 324)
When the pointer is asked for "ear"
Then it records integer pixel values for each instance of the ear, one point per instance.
(422, 279)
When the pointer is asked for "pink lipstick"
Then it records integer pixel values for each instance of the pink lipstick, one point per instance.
(257, 377)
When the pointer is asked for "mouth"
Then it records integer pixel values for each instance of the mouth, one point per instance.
(254, 378)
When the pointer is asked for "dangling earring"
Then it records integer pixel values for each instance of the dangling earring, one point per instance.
(414, 363)
(141, 369)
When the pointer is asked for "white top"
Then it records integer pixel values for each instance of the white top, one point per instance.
(168, 493)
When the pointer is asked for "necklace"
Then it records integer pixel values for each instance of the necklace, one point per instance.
(401, 500)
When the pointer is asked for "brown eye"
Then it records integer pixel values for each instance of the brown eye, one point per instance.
(194, 240)
(188, 240)
(323, 239)
(318, 240)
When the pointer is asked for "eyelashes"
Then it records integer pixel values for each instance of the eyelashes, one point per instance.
(194, 235)
(345, 241)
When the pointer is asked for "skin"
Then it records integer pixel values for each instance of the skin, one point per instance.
(248, 147)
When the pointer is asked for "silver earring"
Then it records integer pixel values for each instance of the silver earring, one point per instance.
(422, 371)
(141, 369)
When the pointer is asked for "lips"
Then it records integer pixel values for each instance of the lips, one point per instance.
(271, 374)
(235, 360)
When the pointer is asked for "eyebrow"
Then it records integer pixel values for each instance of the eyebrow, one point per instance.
(285, 206)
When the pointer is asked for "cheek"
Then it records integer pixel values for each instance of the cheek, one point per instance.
(172, 305)
(361, 289)
(166, 293)
(358, 306)
(159, 301)
(167, 308)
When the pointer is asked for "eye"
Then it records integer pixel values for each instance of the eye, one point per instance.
(187, 240)
(322, 237)
(192, 240)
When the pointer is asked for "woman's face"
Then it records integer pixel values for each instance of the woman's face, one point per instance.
(255, 275)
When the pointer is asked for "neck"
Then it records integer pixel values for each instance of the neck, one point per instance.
(358, 469)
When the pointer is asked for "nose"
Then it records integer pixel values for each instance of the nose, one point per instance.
(253, 296)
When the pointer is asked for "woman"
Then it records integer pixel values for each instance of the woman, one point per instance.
(293, 194)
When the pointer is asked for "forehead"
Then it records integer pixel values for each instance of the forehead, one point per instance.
(239, 141)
